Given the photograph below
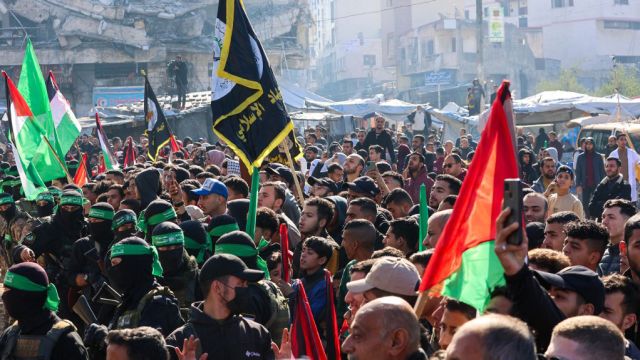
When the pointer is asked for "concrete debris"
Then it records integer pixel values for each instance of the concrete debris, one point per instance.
(135, 23)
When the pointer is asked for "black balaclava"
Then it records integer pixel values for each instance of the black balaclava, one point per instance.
(196, 241)
(168, 234)
(101, 232)
(122, 217)
(10, 213)
(220, 225)
(153, 217)
(71, 222)
(134, 271)
(26, 305)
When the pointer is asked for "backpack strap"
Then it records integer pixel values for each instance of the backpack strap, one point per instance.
(54, 334)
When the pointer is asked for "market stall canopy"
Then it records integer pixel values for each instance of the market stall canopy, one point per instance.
(393, 109)
(295, 97)
(561, 106)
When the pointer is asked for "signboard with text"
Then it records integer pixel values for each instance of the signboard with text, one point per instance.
(117, 95)
(439, 77)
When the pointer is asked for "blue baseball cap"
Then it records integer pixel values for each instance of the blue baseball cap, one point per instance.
(212, 186)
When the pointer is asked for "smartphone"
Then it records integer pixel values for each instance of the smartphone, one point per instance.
(623, 248)
(371, 166)
(513, 200)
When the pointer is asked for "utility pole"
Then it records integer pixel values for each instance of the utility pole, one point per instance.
(479, 41)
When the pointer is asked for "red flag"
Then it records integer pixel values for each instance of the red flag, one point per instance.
(479, 203)
(174, 145)
(130, 154)
(305, 340)
(81, 176)
(102, 167)
(333, 336)
(284, 246)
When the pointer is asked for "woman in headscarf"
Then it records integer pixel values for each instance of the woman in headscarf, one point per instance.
(215, 157)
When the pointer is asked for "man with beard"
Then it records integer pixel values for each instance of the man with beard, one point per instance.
(629, 159)
(86, 266)
(548, 170)
(54, 241)
(134, 264)
(615, 215)
(347, 146)
(415, 175)
(353, 167)
(273, 195)
(216, 322)
(444, 186)
(379, 136)
(267, 305)
(613, 186)
(534, 207)
(360, 145)
(32, 300)
(589, 171)
(179, 270)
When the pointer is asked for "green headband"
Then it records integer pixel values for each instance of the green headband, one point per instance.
(73, 166)
(168, 239)
(6, 199)
(55, 191)
(11, 183)
(123, 219)
(12, 173)
(99, 213)
(71, 200)
(223, 229)
(240, 250)
(19, 282)
(138, 249)
(191, 244)
(166, 215)
(45, 196)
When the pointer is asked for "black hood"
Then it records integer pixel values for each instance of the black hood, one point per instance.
(148, 185)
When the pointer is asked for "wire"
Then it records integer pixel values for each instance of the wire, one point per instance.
(376, 11)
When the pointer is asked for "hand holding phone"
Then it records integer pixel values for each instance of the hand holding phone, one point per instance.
(513, 200)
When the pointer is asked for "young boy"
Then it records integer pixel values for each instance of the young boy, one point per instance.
(558, 194)
(316, 253)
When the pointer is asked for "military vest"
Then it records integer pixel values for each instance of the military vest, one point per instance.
(279, 306)
(34, 347)
(131, 318)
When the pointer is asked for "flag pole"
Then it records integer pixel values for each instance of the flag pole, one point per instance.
(253, 203)
(286, 143)
(424, 216)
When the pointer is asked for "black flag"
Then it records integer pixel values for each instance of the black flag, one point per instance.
(158, 129)
(248, 111)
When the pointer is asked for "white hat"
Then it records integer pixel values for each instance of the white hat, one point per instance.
(394, 275)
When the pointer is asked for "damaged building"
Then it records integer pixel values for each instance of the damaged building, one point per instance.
(97, 48)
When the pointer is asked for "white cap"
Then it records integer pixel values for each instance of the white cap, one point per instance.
(394, 275)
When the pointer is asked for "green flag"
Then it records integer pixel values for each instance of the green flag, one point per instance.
(27, 134)
(34, 91)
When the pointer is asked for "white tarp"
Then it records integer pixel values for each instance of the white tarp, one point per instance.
(393, 109)
(562, 106)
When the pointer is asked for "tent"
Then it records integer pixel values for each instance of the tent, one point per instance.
(393, 109)
(561, 106)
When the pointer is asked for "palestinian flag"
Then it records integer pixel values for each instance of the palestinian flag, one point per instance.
(33, 89)
(464, 265)
(158, 129)
(110, 161)
(82, 175)
(67, 126)
(26, 136)
(249, 114)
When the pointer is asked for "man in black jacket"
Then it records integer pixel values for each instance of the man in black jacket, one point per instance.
(380, 136)
(611, 187)
(573, 291)
(215, 322)
(589, 171)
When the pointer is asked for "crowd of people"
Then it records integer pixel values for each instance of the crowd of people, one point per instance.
(155, 260)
